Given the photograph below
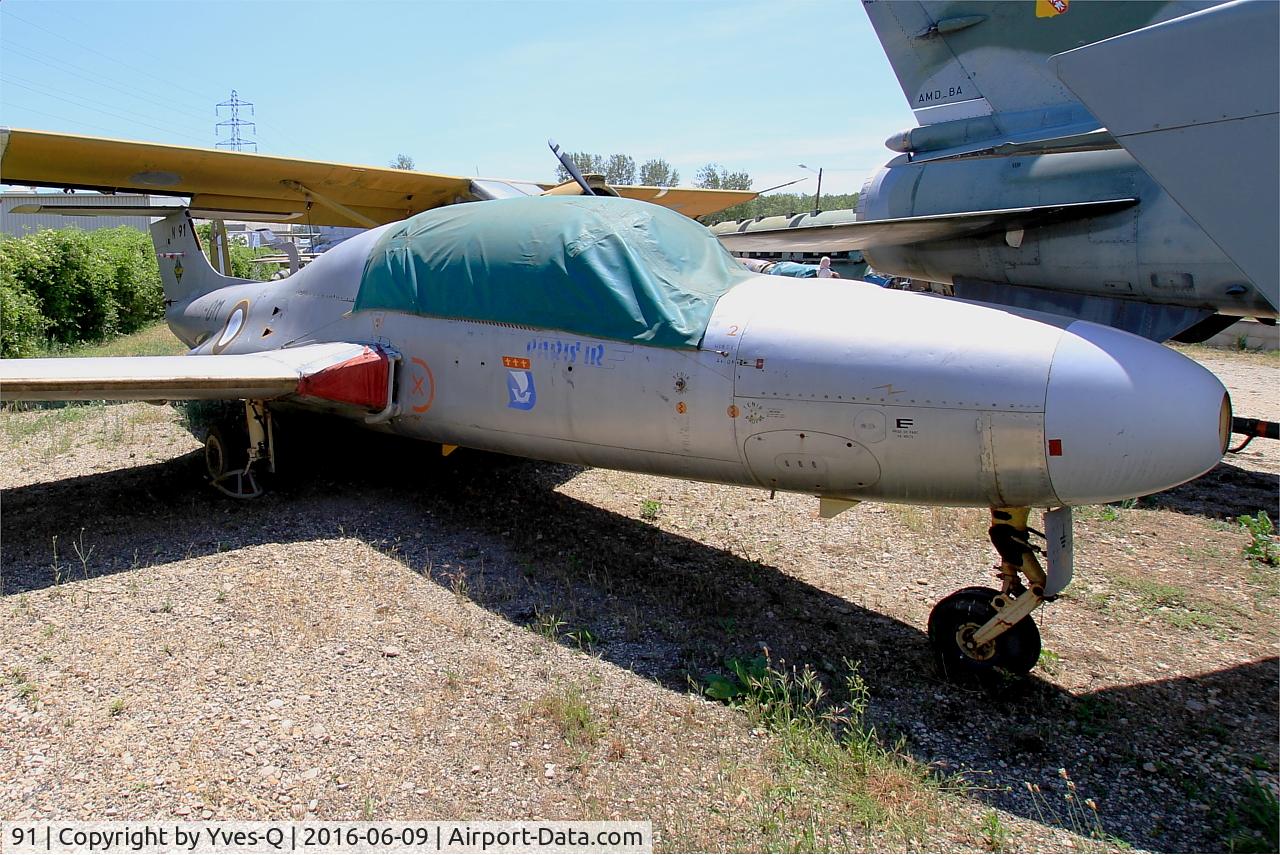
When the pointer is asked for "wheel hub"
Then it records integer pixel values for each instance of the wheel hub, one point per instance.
(970, 648)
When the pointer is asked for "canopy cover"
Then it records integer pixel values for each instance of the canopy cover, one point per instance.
(597, 266)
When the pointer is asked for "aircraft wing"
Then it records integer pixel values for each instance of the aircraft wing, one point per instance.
(346, 373)
(1211, 139)
(865, 234)
(260, 187)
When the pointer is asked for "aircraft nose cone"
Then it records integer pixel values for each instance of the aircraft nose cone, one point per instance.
(1128, 417)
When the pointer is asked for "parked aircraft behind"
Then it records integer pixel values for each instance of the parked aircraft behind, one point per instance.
(1013, 192)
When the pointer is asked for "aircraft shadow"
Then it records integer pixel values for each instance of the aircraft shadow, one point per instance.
(667, 607)
(1225, 492)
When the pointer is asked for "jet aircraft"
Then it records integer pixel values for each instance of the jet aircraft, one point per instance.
(613, 332)
(1014, 192)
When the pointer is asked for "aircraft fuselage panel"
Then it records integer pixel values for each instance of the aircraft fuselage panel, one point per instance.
(1151, 252)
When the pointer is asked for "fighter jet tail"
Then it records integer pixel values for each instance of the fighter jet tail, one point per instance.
(985, 62)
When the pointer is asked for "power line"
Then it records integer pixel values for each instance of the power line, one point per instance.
(10, 105)
(134, 68)
(9, 13)
(151, 96)
(12, 82)
(70, 68)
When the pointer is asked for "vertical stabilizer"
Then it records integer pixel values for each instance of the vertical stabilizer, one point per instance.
(1210, 140)
(960, 59)
(185, 272)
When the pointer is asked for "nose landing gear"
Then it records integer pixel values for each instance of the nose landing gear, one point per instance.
(979, 632)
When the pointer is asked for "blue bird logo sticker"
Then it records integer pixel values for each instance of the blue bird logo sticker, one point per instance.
(520, 390)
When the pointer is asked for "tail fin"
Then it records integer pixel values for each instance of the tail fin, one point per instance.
(941, 49)
(185, 273)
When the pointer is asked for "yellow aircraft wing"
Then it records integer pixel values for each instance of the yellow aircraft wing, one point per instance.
(249, 186)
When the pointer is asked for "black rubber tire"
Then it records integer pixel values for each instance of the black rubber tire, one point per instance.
(225, 450)
(1016, 652)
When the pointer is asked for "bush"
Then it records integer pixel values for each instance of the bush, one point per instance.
(22, 327)
(69, 286)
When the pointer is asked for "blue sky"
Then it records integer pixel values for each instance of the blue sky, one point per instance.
(467, 87)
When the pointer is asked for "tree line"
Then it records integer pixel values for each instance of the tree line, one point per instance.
(621, 170)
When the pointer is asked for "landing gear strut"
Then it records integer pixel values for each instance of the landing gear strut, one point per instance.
(233, 450)
(978, 632)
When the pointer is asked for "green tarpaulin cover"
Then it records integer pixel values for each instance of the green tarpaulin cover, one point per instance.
(597, 266)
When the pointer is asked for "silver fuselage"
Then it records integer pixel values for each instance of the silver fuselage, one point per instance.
(828, 387)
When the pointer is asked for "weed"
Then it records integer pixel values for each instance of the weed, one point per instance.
(1048, 661)
(166, 607)
(1077, 815)
(220, 597)
(458, 584)
(548, 625)
(59, 572)
(1092, 715)
(584, 638)
(1262, 538)
(829, 756)
(116, 708)
(1174, 605)
(995, 835)
(1255, 826)
(738, 682)
(1260, 763)
(649, 510)
(1189, 619)
(26, 689)
(569, 711)
(368, 806)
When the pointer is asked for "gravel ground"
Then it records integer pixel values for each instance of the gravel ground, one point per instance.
(373, 639)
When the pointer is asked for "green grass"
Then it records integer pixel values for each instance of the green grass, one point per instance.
(25, 687)
(1178, 607)
(62, 424)
(1262, 538)
(835, 785)
(155, 340)
(994, 833)
(1048, 661)
(1254, 825)
(569, 711)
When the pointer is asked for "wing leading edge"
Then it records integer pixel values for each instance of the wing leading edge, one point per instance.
(250, 186)
(342, 372)
(866, 234)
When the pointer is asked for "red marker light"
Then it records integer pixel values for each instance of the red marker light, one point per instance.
(1055, 448)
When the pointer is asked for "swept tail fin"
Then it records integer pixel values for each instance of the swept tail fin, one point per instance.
(185, 272)
(962, 60)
